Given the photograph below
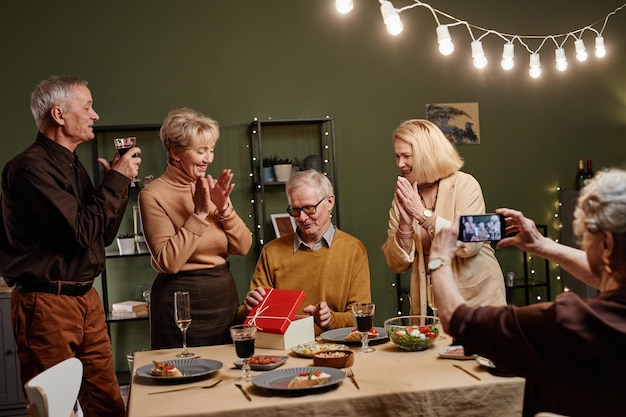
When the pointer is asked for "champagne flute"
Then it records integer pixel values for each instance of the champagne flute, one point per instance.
(364, 318)
(182, 316)
(431, 302)
(244, 338)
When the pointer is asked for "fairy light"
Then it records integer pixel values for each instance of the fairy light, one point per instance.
(344, 6)
(391, 18)
(535, 66)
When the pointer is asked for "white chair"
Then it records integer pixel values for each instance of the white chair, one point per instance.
(53, 392)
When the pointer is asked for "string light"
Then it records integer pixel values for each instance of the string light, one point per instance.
(344, 6)
(391, 17)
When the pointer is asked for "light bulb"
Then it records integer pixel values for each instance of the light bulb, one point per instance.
(344, 6)
(480, 61)
(581, 52)
(600, 50)
(561, 61)
(446, 47)
(391, 18)
(507, 56)
(535, 66)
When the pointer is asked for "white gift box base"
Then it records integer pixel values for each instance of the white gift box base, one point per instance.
(299, 331)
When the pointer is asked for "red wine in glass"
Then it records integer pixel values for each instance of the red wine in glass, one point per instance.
(124, 144)
(364, 323)
(244, 338)
(244, 347)
(364, 318)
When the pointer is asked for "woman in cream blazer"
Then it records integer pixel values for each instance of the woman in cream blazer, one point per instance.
(429, 191)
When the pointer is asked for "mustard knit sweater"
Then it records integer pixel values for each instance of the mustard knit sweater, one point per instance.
(338, 274)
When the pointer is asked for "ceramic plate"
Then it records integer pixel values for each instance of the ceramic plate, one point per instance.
(280, 378)
(455, 352)
(307, 350)
(276, 361)
(339, 336)
(192, 369)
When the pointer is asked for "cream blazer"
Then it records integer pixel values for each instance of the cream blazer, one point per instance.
(475, 267)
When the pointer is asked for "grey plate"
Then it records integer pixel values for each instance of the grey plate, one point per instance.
(280, 378)
(264, 367)
(192, 369)
(339, 336)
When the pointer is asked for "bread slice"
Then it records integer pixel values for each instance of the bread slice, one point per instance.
(310, 379)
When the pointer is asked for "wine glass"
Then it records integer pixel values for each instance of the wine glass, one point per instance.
(244, 338)
(124, 144)
(364, 318)
(431, 302)
(182, 316)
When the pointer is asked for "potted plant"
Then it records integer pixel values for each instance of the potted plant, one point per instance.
(142, 246)
(268, 168)
(282, 169)
(126, 243)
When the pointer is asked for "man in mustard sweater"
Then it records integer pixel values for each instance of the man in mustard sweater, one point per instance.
(329, 265)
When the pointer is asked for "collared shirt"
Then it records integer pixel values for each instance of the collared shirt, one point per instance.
(55, 224)
(327, 239)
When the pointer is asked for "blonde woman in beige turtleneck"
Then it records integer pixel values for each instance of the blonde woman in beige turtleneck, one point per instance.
(191, 228)
(429, 191)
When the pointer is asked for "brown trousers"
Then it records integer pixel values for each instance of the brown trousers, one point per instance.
(50, 328)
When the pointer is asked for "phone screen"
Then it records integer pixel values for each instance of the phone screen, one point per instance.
(481, 227)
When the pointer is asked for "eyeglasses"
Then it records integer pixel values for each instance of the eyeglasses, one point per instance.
(308, 210)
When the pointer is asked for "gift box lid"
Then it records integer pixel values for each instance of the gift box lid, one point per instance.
(276, 311)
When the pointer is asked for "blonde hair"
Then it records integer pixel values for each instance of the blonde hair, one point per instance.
(187, 128)
(434, 156)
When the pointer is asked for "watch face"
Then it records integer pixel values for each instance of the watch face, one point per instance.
(428, 213)
(435, 263)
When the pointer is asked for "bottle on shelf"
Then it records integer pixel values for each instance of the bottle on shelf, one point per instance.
(589, 172)
(580, 176)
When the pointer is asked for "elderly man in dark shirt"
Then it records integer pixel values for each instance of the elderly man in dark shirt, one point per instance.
(55, 227)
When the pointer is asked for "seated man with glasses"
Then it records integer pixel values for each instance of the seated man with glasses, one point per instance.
(329, 265)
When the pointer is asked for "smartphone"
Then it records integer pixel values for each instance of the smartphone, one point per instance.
(481, 227)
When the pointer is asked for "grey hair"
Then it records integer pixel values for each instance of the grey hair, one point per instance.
(56, 90)
(312, 178)
(601, 206)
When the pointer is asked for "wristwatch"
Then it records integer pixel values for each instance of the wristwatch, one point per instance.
(427, 214)
(436, 263)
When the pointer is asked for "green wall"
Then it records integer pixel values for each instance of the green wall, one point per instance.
(240, 59)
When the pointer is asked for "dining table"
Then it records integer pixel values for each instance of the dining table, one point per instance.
(391, 382)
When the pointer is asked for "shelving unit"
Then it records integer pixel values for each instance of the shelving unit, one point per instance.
(535, 282)
(102, 146)
(294, 139)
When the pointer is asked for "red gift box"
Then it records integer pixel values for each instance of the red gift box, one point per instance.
(277, 310)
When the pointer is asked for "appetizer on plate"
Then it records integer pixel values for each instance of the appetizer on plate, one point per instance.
(309, 379)
(309, 349)
(455, 352)
(165, 369)
(265, 360)
(355, 335)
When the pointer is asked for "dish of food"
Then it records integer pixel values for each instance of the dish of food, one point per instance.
(455, 352)
(307, 350)
(280, 379)
(191, 369)
(341, 336)
(263, 362)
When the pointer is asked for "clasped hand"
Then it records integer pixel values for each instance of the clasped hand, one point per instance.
(205, 190)
(408, 201)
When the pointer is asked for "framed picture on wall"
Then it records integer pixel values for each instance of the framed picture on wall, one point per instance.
(283, 224)
(458, 121)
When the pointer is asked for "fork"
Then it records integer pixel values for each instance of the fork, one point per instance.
(186, 388)
(350, 375)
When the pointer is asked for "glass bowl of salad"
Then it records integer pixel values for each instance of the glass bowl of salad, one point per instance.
(412, 333)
